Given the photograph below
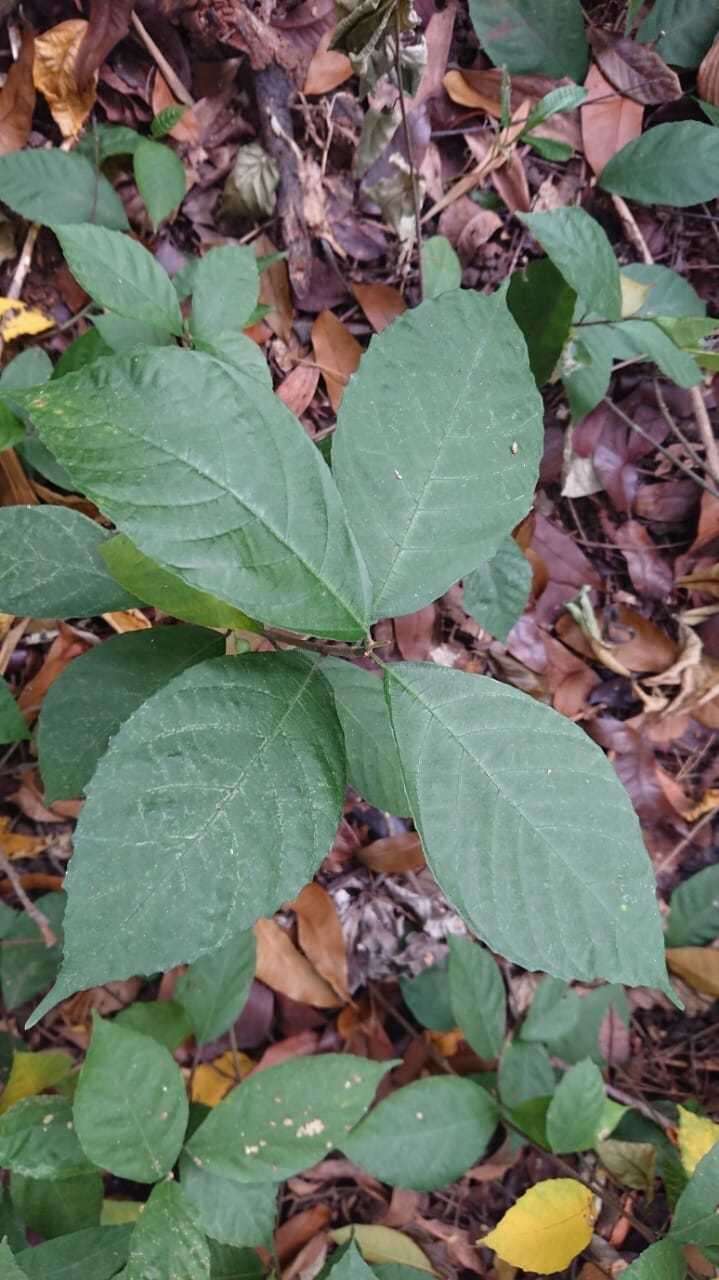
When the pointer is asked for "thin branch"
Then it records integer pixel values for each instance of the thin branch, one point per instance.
(631, 228)
(664, 407)
(169, 74)
(704, 427)
(661, 448)
(410, 149)
(29, 907)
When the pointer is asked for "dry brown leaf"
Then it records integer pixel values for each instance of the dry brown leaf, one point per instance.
(28, 799)
(275, 290)
(609, 120)
(634, 69)
(309, 1261)
(64, 648)
(704, 580)
(17, 99)
(708, 76)
(15, 846)
(468, 227)
(697, 966)
(187, 129)
(54, 75)
(109, 23)
(707, 804)
(638, 643)
(320, 936)
(298, 388)
(125, 620)
(381, 303)
(393, 855)
(33, 882)
(283, 968)
(337, 353)
(212, 1081)
(302, 1045)
(298, 1230)
(328, 69)
(651, 575)
(674, 793)
(483, 90)
(15, 488)
(700, 1265)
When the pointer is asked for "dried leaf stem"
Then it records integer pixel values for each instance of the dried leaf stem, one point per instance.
(29, 907)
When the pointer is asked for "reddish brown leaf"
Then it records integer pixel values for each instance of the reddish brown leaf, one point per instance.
(297, 1231)
(708, 76)
(393, 854)
(381, 303)
(275, 290)
(337, 353)
(668, 502)
(17, 99)
(650, 574)
(63, 649)
(609, 120)
(636, 70)
(28, 799)
(468, 227)
(417, 633)
(109, 23)
(321, 937)
(298, 388)
(15, 488)
(300, 1046)
(637, 642)
(438, 42)
(283, 968)
(328, 69)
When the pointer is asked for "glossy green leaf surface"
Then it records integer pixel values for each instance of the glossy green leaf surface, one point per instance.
(694, 910)
(542, 304)
(661, 1261)
(93, 1254)
(440, 428)
(30, 966)
(525, 1073)
(441, 268)
(696, 1220)
(224, 292)
(243, 760)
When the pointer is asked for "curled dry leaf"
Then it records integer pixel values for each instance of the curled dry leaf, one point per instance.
(17, 99)
(708, 76)
(55, 76)
(638, 71)
(283, 968)
(63, 649)
(698, 966)
(328, 69)
(609, 120)
(337, 353)
(297, 1231)
(298, 388)
(381, 303)
(321, 937)
(394, 854)
(109, 23)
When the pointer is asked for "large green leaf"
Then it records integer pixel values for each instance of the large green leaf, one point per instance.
(437, 445)
(696, 1220)
(214, 990)
(675, 164)
(38, 1139)
(230, 1263)
(168, 1243)
(209, 473)
(286, 1118)
(479, 1001)
(535, 841)
(160, 177)
(575, 1112)
(157, 586)
(525, 37)
(8, 1266)
(669, 293)
(51, 565)
(164, 1020)
(130, 1105)
(579, 248)
(694, 910)
(124, 336)
(680, 30)
(427, 996)
(554, 1012)
(496, 592)
(441, 268)
(29, 966)
(56, 1208)
(661, 1261)
(235, 1213)
(525, 1073)
(13, 725)
(224, 293)
(373, 766)
(59, 186)
(100, 690)
(120, 274)
(542, 303)
(425, 1135)
(92, 1254)
(215, 802)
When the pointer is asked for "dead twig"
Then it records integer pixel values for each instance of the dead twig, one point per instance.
(629, 422)
(631, 229)
(29, 907)
(168, 73)
(706, 433)
(408, 145)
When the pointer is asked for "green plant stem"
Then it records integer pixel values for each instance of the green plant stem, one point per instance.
(410, 149)
(329, 648)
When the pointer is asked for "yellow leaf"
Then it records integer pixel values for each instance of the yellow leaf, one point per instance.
(212, 1080)
(698, 966)
(547, 1227)
(115, 1213)
(697, 1136)
(54, 75)
(17, 319)
(19, 846)
(633, 295)
(33, 1072)
(384, 1244)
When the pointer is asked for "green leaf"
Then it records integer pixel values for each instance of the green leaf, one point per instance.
(243, 760)
(149, 582)
(525, 1073)
(286, 1118)
(580, 249)
(13, 725)
(239, 351)
(160, 177)
(525, 38)
(165, 120)
(694, 910)
(478, 997)
(582, 1041)
(31, 966)
(51, 565)
(99, 691)
(373, 766)
(496, 593)
(710, 111)
(93, 1254)
(30, 368)
(8, 1266)
(696, 1220)
(425, 1135)
(646, 338)
(575, 1111)
(503, 840)
(661, 1261)
(11, 1227)
(229, 1263)
(214, 990)
(549, 148)
(123, 336)
(38, 1139)
(170, 435)
(88, 347)
(224, 293)
(632, 1164)
(675, 164)
(130, 1104)
(59, 187)
(11, 428)
(530, 1118)
(164, 1020)
(554, 1012)
(441, 268)
(121, 275)
(440, 428)
(102, 141)
(565, 98)
(57, 1208)
(688, 331)
(167, 1242)
(670, 294)
(350, 1265)
(680, 30)
(428, 998)
(235, 1213)
(586, 368)
(542, 304)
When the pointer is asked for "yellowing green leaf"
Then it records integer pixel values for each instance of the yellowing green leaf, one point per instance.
(547, 1227)
(698, 966)
(634, 294)
(32, 1073)
(17, 319)
(384, 1244)
(697, 1136)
